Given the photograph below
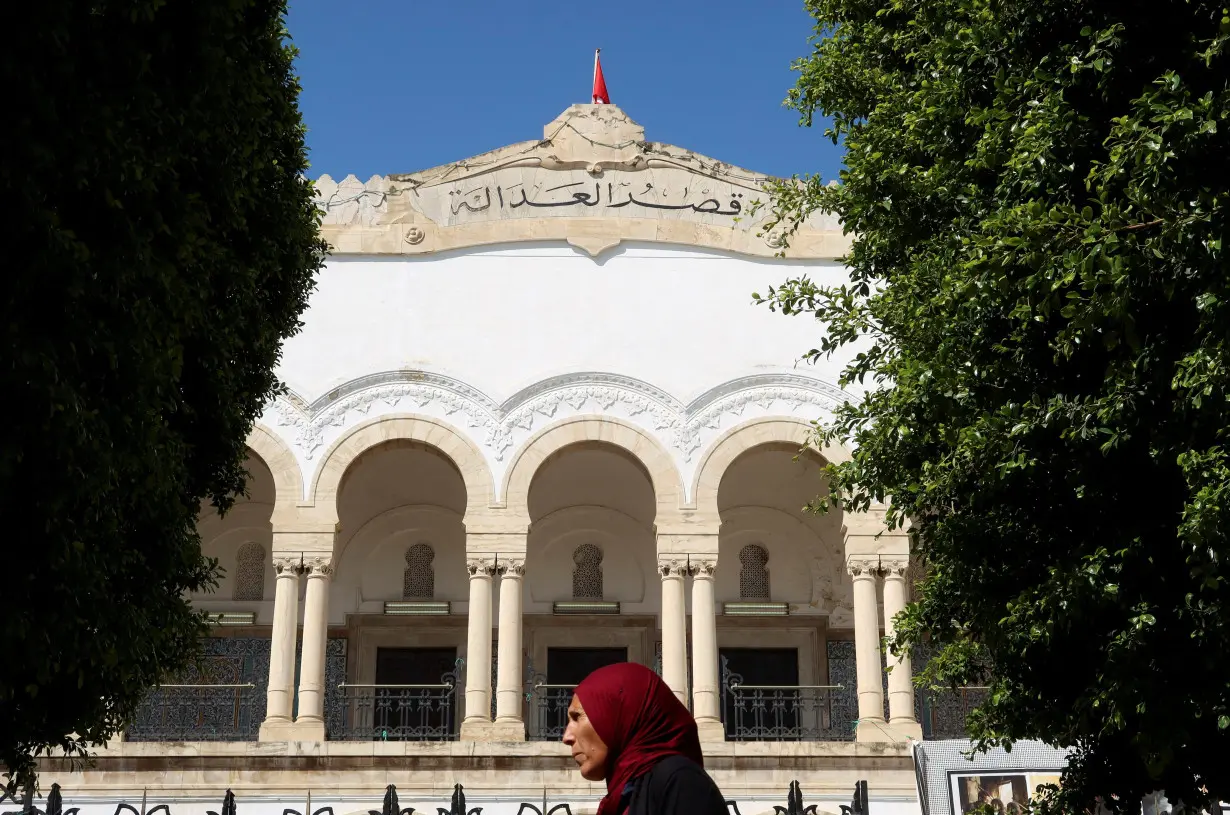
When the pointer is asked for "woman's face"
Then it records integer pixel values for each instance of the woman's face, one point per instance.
(588, 750)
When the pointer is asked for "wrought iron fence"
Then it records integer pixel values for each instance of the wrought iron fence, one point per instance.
(780, 712)
(391, 805)
(399, 712)
(550, 704)
(944, 711)
(199, 712)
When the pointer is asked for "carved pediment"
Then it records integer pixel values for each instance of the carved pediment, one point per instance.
(592, 180)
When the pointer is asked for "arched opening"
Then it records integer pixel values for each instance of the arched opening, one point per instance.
(399, 571)
(775, 557)
(591, 593)
(224, 693)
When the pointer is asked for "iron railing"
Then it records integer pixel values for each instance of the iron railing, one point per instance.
(781, 713)
(200, 712)
(399, 712)
(550, 704)
(943, 712)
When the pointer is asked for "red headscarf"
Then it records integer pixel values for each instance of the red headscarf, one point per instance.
(641, 722)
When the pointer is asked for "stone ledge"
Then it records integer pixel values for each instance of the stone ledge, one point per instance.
(310, 753)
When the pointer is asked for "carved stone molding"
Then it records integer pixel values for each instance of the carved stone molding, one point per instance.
(288, 564)
(702, 568)
(592, 179)
(318, 566)
(863, 567)
(501, 426)
(511, 567)
(895, 567)
(672, 567)
(480, 566)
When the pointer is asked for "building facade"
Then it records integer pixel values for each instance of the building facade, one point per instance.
(535, 425)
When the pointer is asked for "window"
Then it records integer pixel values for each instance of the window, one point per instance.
(587, 576)
(753, 576)
(250, 573)
(419, 578)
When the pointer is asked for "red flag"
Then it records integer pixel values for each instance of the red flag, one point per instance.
(600, 94)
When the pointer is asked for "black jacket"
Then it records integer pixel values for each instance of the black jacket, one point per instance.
(675, 786)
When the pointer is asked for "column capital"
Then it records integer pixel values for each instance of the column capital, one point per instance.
(287, 563)
(478, 565)
(702, 568)
(863, 567)
(510, 567)
(895, 566)
(673, 566)
(318, 566)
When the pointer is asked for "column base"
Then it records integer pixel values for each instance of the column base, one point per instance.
(475, 730)
(710, 731)
(507, 730)
(309, 730)
(277, 730)
(869, 730)
(908, 728)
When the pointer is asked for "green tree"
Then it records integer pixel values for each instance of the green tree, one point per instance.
(163, 245)
(1037, 193)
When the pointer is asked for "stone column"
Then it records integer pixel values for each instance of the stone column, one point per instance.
(477, 721)
(871, 724)
(901, 676)
(706, 690)
(674, 626)
(310, 724)
(280, 695)
(509, 725)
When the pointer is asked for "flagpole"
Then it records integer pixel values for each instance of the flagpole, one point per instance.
(596, 51)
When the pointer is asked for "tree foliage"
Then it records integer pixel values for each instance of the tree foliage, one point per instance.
(1037, 193)
(163, 244)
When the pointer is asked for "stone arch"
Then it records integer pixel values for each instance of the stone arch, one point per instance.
(282, 464)
(644, 448)
(738, 440)
(464, 453)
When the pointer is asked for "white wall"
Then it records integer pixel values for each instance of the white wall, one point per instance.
(502, 319)
(500, 342)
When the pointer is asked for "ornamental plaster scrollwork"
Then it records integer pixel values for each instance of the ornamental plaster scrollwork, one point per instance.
(287, 564)
(702, 569)
(481, 566)
(511, 567)
(863, 567)
(896, 567)
(672, 567)
(318, 566)
(685, 427)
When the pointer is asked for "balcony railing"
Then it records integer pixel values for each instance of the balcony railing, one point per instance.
(943, 713)
(204, 712)
(782, 713)
(550, 705)
(399, 712)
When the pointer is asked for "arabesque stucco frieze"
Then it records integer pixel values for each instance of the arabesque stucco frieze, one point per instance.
(500, 426)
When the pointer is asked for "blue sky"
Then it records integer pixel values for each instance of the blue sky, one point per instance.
(395, 86)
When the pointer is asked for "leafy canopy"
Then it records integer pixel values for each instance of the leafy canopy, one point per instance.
(163, 244)
(1038, 196)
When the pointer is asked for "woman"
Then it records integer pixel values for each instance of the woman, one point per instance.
(627, 728)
